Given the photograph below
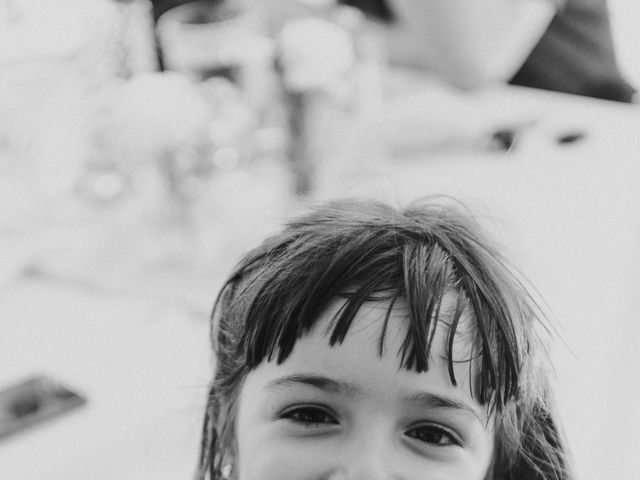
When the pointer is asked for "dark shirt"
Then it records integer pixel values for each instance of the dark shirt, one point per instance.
(161, 6)
(576, 55)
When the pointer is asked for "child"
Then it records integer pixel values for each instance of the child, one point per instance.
(368, 343)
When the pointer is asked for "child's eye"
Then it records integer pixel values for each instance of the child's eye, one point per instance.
(309, 415)
(433, 435)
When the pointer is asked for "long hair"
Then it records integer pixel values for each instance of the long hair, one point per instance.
(364, 250)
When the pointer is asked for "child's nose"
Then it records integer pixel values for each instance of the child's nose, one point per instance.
(371, 457)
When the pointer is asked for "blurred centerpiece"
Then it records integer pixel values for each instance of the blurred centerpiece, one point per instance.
(307, 72)
(207, 39)
(328, 63)
(316, 59)
(221, 46)
(258, 99)
(56, 60)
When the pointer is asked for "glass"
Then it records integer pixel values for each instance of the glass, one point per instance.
(207, 40)
(329, 63)
(222, 46)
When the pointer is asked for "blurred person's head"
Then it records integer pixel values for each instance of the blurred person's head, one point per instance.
(367, 342)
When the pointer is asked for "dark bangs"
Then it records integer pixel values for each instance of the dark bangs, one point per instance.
(365, 251)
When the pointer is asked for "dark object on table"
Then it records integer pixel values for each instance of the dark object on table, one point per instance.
(570, 137)
(32, 401)
(504, 138)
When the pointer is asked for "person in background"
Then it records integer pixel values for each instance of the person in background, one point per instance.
(560, 45)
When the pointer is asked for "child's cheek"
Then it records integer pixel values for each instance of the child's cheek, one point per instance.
(277, 460)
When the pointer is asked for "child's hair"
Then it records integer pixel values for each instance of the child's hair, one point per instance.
(364, 250)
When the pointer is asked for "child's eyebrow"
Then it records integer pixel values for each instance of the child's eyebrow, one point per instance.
(426, 400)
(433, 401)
(317, 381)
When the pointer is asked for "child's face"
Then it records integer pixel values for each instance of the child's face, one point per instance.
(344, 412)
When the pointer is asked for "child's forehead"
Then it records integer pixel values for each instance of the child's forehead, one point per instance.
(361, 346)
(389, 321)
(398, 308)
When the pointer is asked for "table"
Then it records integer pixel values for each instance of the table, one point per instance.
(132, 336)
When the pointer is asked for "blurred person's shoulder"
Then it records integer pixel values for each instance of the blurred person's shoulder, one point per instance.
(576, 54)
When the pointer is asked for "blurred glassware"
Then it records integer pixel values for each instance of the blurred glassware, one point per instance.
(56, 61)
(153, 122)
(152, 157)
(208, 39)
(222, 39)
(276, 13)
(136, 37)
(330, 65)
(233, 124)
(203, 39)
(120, 42)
